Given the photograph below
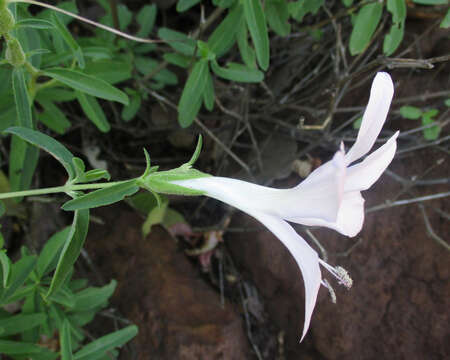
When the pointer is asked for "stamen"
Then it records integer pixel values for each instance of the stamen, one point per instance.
(339, 273)
(330, 290)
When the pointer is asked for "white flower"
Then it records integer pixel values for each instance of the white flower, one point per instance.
(330, 196)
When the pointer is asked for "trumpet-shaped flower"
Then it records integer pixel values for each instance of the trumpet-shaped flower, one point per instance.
(330, 196)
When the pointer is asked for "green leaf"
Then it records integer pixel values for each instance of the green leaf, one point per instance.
(277, 13)
(71, 249)
(65, 341)
(410, 112)
(63, 296)
(177, 59)
(17, 324)
(183, 5)
(366, 23)
(393, 39)
(130, 111)
(146, 20)
(145, 66)
(247, 53)
(53, 117)
(178, 41)
(111, 71)
(99, 347)
(209, 95)
(447, 102)
(69, 40)
(56, 94)
(93, 111)
(256, 22)
(45, 142)
(191, 98)
(94, 297)
(237, 72)
(8, 347)
(398, 10)
(6, 267)
(87, 84)
(19, 273)
(300, 9)
(357, 123)
(102, 197)
(224, 36)
(23, 158)
(94, 175)
(50, 252)
(34, 23)
(445, 23)
(431, 133)
(155, 217)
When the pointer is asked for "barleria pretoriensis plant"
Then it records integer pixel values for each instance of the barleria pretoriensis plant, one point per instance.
(45, 66)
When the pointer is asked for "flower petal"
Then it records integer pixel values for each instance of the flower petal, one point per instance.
(362, 175)
(350, 216)
(306, 258)
(319, 198)
(374, 117)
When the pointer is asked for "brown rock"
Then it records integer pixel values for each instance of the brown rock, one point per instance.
(178, 314)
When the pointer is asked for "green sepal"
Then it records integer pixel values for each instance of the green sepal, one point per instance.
(161, 182)
(197, 151)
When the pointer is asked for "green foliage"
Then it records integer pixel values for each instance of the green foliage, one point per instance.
(427, 118)
(65, 312)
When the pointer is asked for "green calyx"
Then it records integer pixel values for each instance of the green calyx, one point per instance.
(162, 181)
(14, 53)
(7, 20)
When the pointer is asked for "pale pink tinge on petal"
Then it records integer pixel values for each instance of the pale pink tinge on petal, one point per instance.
(363, 175)
(374, 116)
(305, 257)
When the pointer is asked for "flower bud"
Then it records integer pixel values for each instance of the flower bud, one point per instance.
(7, 21)
(14, 53)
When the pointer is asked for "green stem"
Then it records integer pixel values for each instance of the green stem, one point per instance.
(58, 189)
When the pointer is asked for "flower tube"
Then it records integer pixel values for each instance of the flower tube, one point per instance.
(330, 196)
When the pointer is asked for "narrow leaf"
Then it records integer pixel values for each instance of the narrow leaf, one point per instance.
(102, 197)
(93, 111)
(94, 297)
(19, 273)
(50, 252)
(256, 22)
(178, 41)
(45, 142)
(366, 23)
(68, 38)
(191, 98)
(65, 341)
(224, 36)
(237, 72)
(34, 23)
(71, 250)
(99, 347)
(17, 324)
(6, 267)
(87, 84)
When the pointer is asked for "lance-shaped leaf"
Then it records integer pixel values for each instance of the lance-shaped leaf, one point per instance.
(191, 98)
(19, 323)
(88, 84)
(45, 142)
(71, 249)
(34, 23)
(93, 111)
(19, 273)
(70, 41)
(256, 21)
(366, 23)
(65, 341)
(237, 72)
(98, 348)
(22, 158)
(224, 36)
(102, 197)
